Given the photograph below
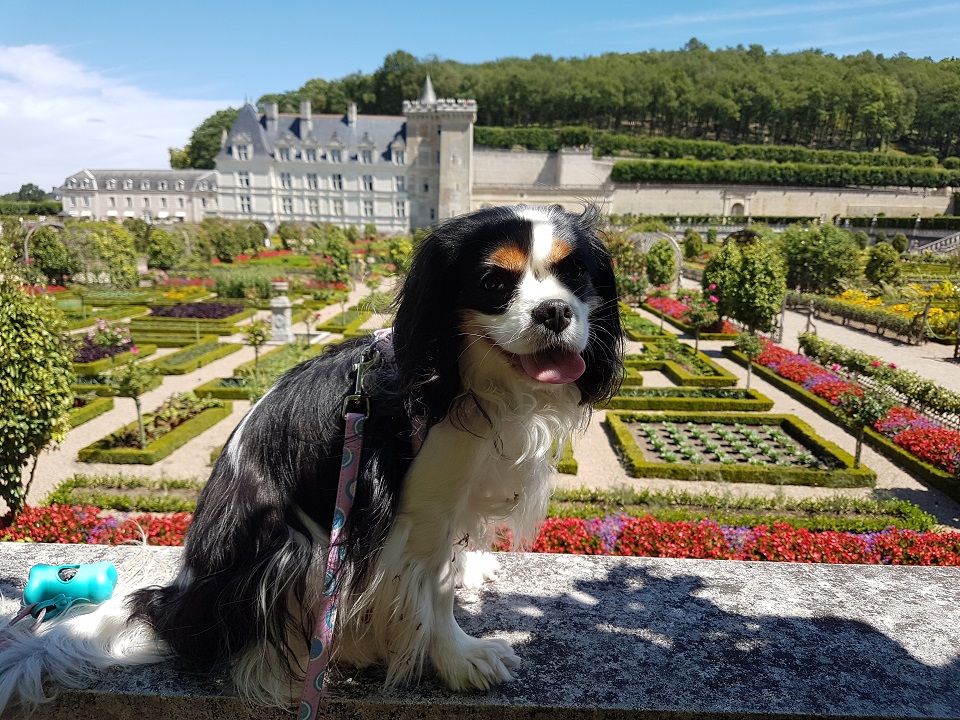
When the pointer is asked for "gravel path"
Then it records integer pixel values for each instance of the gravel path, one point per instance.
(599, 465)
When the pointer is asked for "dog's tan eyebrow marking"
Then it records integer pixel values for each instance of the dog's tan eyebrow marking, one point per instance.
(558, 251)
(510, 258)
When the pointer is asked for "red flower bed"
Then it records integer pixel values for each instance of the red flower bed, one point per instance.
(678, 310)
(938, 446)
(42, 289)
(272, 254)
(84, 524)
(613, 535)
(187, 282)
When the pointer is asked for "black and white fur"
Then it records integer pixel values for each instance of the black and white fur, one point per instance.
(483, 291)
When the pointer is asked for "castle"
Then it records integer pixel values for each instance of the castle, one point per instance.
(409, 171)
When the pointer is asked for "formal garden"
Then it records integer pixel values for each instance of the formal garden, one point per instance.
(98, 334)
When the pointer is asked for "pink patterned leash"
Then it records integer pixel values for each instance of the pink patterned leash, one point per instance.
(356, 409)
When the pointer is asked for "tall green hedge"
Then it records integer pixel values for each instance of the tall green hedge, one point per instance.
(806, 174)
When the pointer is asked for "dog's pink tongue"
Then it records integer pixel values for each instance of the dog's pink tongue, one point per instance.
(554, 366)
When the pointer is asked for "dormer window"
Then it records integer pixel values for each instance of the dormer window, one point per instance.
(180, 185)
(283, 154)
(128, 184)
(310, 155)
(145, 185)
(366, 157)
(72, 183)
(336, 156)
(162, 185)
(202, 185)
(85, 183)
(399, 157)
(241, 152)
(111, 184)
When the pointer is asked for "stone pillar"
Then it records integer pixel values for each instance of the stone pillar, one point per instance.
(281, 319)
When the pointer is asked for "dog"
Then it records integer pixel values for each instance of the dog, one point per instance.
(506, 331)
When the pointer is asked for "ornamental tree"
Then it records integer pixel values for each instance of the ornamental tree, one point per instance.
(50, 256)
(750, 345)
(749, 279)
(35, 376)
(819, 258)
(883, 265)
(861, 410)
(701, 313)
(164, 249)
(132, 380)
(256, 335)
(661, 263)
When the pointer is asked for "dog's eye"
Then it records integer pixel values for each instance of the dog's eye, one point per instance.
(494, 282)
(570, 269)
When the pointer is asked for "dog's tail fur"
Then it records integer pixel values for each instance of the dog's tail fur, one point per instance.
(70, 652)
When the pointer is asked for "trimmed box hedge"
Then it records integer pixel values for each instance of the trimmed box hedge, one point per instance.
(692, 399)
(231, 388)
(276, 355)
(193, 357)
(113, 313)
(98, 366)
(186, 326)
(346, 321)
(168, 341)
(160, 448)
(127, 493)
(921, 470)
(93, 408)
(680, 376)
(83, 386)
(568, 464)
(843, 477)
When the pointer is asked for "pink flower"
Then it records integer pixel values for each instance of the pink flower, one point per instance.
(835, 367)
(713, 299)
(135, 350)
(893, 365)
(712, 286)
(875, 363)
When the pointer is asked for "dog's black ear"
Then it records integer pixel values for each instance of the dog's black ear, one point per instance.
(604, 352)
(425, 330)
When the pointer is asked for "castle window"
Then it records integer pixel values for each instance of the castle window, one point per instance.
(128, 184)
(245, 204)
(73, 201)
(145, 185)
(180, 203)
(335, 156)
(401, 183)
(312, 181)
(399, 157)
(426, 187)
(368, 183)
(313, 206)
(163, 202)
(129, 202)
(162, 185)
(368, 208)
(243, 178)
(113, 201)
(400, 209)
(86, 201)
(338, 207)
(111, 184)
(433, 214)
(146, 202)
(337, 181)
(72, 183)
(242, 152)
(283, 154)
(286, 205)
(310, 155)
(286, 180)
(179, 184)
(366, 157)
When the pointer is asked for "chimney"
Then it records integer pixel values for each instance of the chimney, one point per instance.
(306, 120)
(223, 137)
(352, 114)
(273, 109)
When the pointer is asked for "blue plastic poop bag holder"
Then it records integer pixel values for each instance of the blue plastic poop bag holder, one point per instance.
(52, 589)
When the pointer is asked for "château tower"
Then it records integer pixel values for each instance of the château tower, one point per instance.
(440, 141)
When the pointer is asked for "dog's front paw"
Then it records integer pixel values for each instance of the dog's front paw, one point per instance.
(476, 664)
(475, 568)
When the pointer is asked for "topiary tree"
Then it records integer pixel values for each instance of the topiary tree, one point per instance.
(164, 249)
(712, 235)
(819, 258)
(900, 242)
(701, 313)
(861, 239)
(749, 278)
(692, 244)
(862, 410)
(883, 264)
(256, 335)
(661, 263)
(750, 345)
(35, 376)
(50, 256)
(132, 380)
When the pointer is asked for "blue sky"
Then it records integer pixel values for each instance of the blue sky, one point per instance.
(109, 84)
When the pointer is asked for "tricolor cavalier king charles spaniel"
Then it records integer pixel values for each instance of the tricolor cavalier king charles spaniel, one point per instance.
(507, 330)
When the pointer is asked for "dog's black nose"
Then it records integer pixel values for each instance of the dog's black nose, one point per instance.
(553, 314)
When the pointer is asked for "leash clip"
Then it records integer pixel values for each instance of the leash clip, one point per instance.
(358, 401)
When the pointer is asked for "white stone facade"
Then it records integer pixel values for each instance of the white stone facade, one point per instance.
(151, 195)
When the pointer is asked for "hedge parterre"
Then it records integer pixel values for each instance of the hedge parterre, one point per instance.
(919, 435)
(198, 311)
(678, 311)
(609, 535)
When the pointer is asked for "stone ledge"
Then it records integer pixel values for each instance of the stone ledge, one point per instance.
(604, 637)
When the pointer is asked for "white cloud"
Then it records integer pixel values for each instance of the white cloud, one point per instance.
(57, 117)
